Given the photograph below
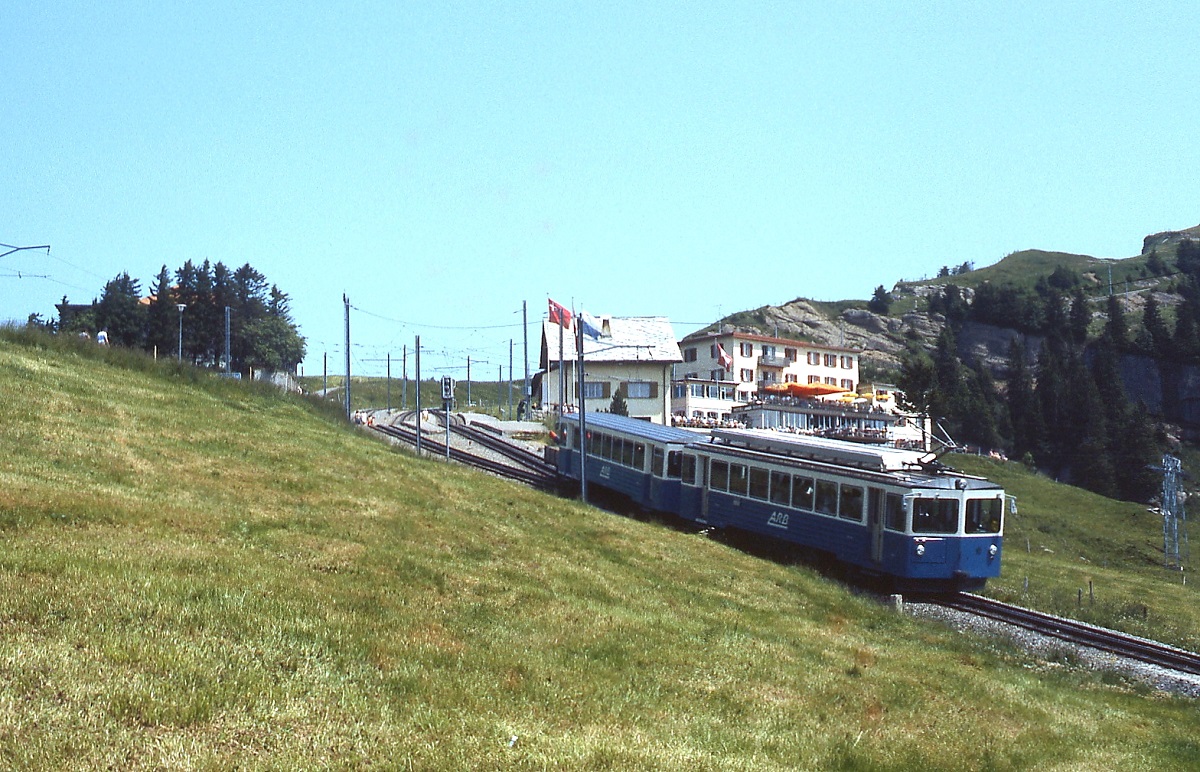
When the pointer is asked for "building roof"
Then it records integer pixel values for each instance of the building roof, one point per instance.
(625, 339)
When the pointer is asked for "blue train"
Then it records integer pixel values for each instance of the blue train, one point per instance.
(894, 515)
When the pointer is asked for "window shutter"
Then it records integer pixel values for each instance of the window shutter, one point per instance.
(607, 390)
(654, 390)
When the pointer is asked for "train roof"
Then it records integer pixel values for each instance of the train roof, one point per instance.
(646, 429)
(871, 457)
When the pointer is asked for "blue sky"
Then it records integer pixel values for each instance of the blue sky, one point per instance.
(441, 163)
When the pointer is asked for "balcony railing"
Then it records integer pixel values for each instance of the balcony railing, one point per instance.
(773, 361)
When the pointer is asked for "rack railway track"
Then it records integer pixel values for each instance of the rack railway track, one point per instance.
(1081, 633)
(526, 468)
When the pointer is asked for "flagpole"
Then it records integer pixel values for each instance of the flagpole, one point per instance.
(583, 437)
(562, 374)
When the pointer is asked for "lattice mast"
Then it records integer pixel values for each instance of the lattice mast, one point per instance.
(1173, 512)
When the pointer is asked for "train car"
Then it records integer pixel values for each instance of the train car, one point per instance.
(638, 459)
(887, 513)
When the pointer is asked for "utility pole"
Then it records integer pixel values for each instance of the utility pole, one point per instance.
(346, 300)
(468, 382)
(227, 366)
(583, 436)
(510, 378)
(325, 375)
(389, 381)
(404, 376)
(525, 331)
(418, 396)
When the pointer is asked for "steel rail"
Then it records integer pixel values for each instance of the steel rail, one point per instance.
(542, 479)
(1072, 631)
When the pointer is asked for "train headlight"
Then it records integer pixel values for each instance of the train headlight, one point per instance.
(992, 550)
(920, 550)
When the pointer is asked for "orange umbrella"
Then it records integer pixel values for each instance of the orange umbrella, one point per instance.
(814, 389)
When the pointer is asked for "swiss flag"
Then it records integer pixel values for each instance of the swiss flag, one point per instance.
(724, 358)
(559, 314)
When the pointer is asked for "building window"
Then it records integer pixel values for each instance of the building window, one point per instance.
(747, 349)
(717, 375)
(689, 355)
(747, 376)
(831, 360)
(638, 390)
(847, 384)
(697, 389)
(712, 351)
(768, 351)
(831, 381)
(789, 378)
(593, 390)
(790, 354)
(814, 379)
(847, 363)
(814, 358)
(678, 391)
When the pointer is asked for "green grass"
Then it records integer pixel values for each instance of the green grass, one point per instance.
(200, 574)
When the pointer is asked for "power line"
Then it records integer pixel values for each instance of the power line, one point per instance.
(436, 326)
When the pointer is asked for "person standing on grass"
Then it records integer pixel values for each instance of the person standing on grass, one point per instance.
(102, 338)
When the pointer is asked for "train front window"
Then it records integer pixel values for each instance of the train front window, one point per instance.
(984, 515)
(935, 516)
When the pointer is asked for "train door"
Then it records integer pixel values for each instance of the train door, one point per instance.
(702, 481)
(875, 501)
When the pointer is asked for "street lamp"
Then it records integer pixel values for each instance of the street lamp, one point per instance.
(181, 306)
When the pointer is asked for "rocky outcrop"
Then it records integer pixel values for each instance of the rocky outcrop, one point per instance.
(1155, 240)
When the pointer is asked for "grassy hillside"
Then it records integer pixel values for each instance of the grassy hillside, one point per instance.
(200, 574)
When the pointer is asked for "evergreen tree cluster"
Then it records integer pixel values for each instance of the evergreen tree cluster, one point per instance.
(262, 333)
(1066, 412)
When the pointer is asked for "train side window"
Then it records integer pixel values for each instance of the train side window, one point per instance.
(605, 442)
(935, 516)
(827, 497)
(802, 492)
(759, 483)
(851, 505)
(893, 512)
(781, 488)
(629, 454)
(984, 515)
(720, 476)
(738, 478)
(575, 437)
(688, 471)
(656, 462)
(673, 463)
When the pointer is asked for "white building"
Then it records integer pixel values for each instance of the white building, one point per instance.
(633, 354)
(721, 370)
